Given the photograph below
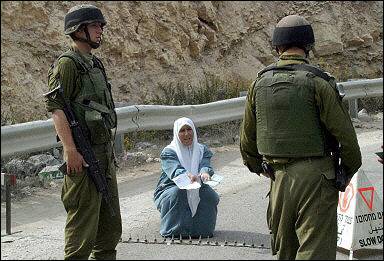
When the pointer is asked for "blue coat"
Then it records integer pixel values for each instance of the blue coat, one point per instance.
(176, 217)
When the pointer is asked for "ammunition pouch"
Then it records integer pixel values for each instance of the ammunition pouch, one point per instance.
(107, 115)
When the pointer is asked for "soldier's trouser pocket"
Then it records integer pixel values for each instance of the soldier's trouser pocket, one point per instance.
(316, 227)
(328, 193)
(72, 193)
(269, 220)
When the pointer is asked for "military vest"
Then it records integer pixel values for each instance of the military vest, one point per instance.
(94, 106)
(288, 121)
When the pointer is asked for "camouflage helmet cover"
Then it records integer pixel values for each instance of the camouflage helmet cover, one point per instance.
(82, 14)
(293, 30)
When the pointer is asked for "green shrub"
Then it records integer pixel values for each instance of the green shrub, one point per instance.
(371, 104)
(210, 89)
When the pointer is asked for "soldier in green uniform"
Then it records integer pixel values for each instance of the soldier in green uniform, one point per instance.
(292, 111)
(91, 231)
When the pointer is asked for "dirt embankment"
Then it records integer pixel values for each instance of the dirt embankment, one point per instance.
(147, 43)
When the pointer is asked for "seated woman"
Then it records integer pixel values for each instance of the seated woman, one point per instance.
(184, 212)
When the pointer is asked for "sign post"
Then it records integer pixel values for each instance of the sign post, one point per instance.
(7, 180)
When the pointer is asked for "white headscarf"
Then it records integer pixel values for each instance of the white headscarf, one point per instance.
(189, 157)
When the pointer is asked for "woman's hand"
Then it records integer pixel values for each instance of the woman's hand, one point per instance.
(204, 177)
(193, 178)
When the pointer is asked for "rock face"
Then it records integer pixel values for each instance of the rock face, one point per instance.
(147, 43)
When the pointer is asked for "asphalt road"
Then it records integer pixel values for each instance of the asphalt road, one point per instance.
(38, 222)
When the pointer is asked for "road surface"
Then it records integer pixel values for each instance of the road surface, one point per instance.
(38, 221)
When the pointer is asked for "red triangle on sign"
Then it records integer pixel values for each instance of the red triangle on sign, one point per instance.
(370, 203)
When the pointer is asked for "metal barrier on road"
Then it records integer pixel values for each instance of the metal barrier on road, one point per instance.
(40, 135)
(195, 242)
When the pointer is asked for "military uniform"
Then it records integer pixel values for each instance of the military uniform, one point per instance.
(288, 115)
(89, 228)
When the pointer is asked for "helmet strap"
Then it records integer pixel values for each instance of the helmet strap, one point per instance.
(282, 49)
(93, 45)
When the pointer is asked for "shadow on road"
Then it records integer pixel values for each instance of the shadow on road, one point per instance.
(242, 236)
(364, 253)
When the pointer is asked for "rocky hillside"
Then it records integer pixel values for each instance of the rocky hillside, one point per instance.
(147, 43)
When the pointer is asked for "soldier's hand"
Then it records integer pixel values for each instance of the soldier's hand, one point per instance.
(75, 161)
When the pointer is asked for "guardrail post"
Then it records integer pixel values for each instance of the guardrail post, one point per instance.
(119, 144)
(353, 108)
(119, 139)
(243, 93)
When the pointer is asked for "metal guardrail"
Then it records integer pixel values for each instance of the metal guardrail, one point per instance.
(40, 135)
(160, 117)
(363, 88)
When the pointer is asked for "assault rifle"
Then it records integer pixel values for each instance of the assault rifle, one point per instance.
(341, 176)
(268, 170)
(84, 147)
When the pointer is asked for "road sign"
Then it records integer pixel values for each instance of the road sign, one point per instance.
(360, 215)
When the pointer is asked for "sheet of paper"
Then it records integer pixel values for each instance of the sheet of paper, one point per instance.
(215, 180)
(184, 182)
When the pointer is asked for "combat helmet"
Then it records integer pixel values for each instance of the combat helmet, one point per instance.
(82, 14)
(294, 30)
